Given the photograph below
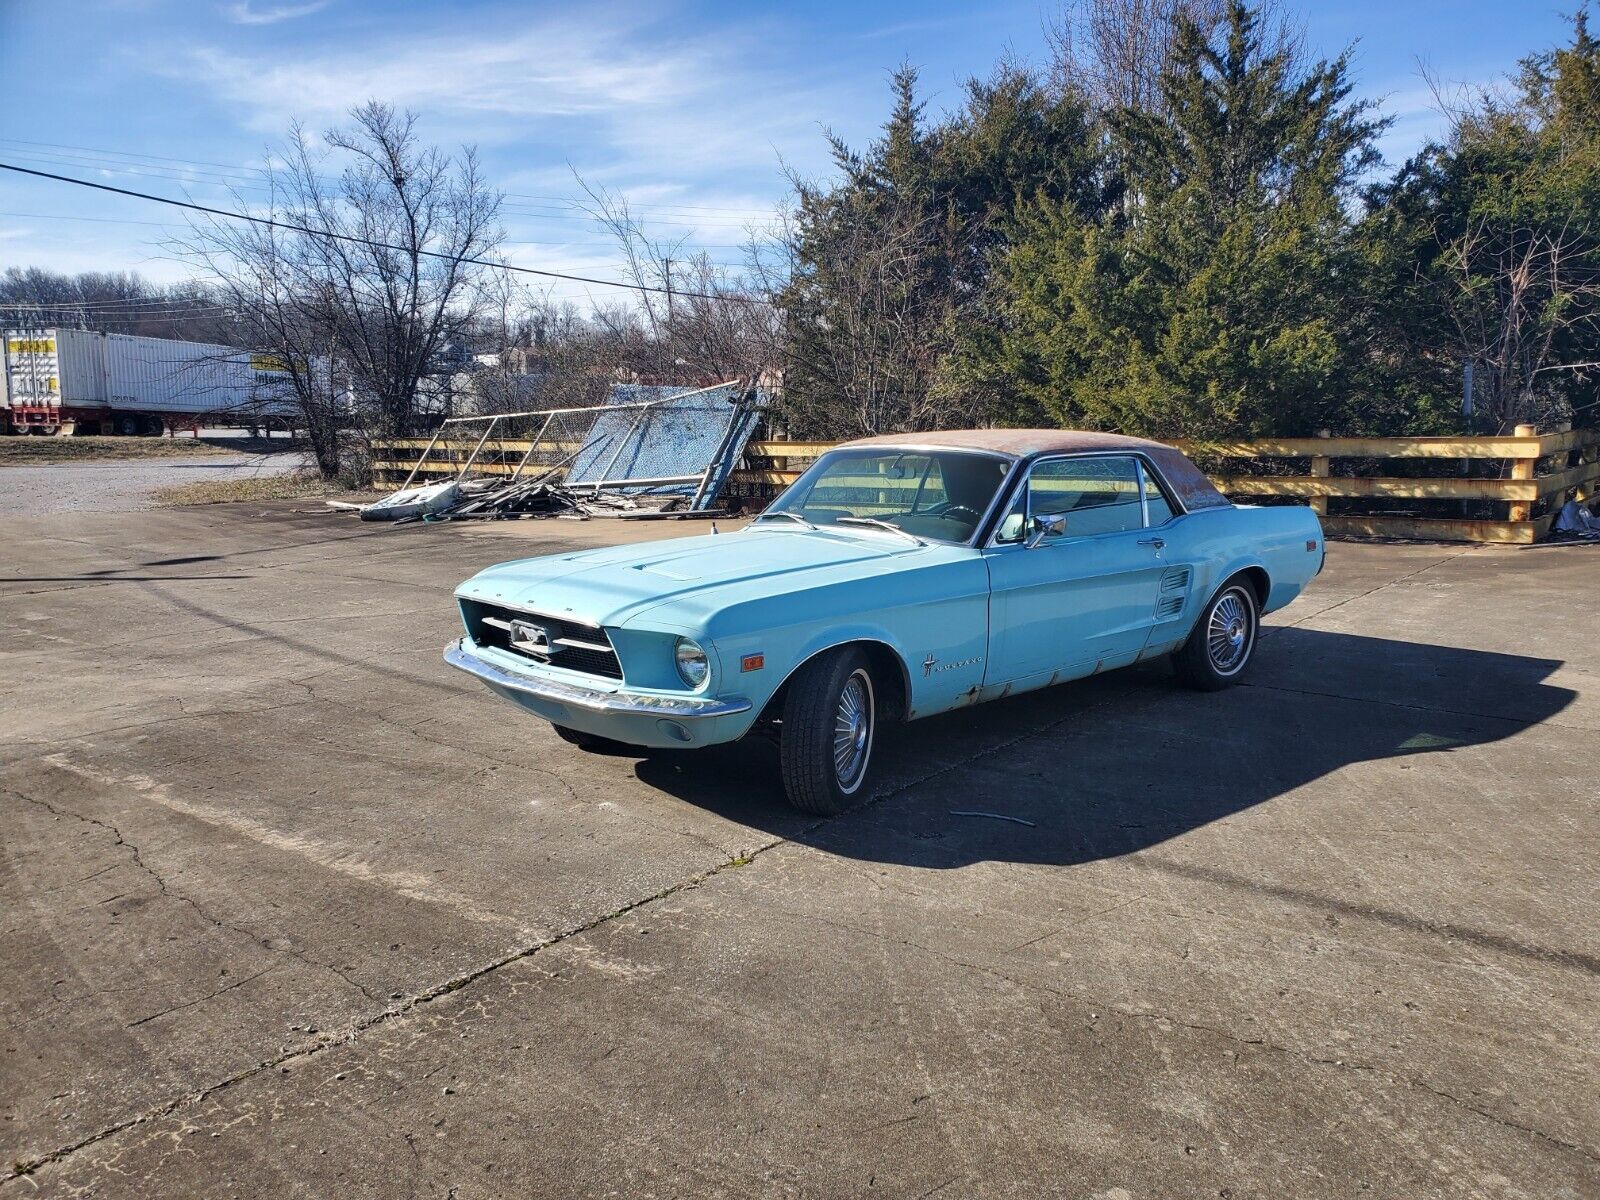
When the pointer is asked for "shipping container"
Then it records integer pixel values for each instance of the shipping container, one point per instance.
(61, 378)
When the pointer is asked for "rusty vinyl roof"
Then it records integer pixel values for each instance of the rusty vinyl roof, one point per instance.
(1018, 442)
(1193, 488)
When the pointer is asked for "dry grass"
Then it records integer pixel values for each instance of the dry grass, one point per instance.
(297, 485)
(42, 451)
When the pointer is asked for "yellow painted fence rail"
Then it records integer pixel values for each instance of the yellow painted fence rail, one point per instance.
(1535, 471)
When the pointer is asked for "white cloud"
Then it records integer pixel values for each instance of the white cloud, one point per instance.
(548, 69)
(689, 124)
(611, 84)
(241, 13)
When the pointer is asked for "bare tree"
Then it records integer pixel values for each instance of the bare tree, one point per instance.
(869, 324)
(286, 313)
(1116, 51)
(1516, 294)
(547, 354)
(1511, 232)
(703, 322)
(377, 269)
(400, 276)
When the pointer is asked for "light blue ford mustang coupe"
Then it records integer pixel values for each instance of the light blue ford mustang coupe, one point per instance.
(899, 577)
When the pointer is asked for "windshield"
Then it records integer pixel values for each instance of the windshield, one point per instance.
(938, 494)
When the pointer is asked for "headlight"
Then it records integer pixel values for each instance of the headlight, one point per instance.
(693, 667)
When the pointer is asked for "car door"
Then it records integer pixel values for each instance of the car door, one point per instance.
(1069, 602)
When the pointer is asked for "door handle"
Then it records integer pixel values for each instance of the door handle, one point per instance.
(1158, 543)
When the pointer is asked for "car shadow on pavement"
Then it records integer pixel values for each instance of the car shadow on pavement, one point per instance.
(1125, 761)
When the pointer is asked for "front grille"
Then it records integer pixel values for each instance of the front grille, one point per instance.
(567, 644)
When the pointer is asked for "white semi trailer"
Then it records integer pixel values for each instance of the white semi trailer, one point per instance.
(77, 380)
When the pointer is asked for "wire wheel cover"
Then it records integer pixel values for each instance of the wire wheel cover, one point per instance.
(852, 730)
(1230, 632)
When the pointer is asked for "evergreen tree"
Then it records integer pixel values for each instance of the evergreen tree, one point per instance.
(1490, 244)
(889, 263)
(1222, 296)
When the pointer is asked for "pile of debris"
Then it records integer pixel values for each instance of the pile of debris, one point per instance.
(649, 452)
(487, 499)
(1576, 521)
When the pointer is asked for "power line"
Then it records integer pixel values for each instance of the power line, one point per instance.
(716, 262)
(104, 301)
(161, 308)
(158, 320)
(234, 170)
(563, 209)
(345, 237)
(98, 220)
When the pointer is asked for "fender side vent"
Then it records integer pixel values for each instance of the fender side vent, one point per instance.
(1174, 592)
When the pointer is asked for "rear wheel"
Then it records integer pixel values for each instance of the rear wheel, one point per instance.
(1223, 643)
(830, 718)
(126, 425)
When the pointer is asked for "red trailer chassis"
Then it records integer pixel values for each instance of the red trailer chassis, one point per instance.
(50, 418)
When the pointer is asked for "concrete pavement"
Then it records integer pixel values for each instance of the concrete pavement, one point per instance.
(292, 909)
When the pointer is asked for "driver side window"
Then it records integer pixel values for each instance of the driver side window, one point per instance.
(1095, 495)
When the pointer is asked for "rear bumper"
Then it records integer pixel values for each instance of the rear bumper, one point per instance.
(637, 718)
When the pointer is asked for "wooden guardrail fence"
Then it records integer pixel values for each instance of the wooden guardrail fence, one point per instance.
(1535, 471)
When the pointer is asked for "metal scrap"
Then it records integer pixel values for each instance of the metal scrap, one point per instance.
(651, 452)
(413, 502)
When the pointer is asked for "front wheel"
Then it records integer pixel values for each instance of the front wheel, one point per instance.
(1224, 639)
(830, 718)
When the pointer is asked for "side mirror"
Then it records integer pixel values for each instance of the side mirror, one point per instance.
(1054, 525)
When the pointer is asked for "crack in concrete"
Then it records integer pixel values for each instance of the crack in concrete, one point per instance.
(167, 892)
(464, 979)
(1216, 1031)
(201, 1000)
(455, 983)
(54, 743)
(26, 1167)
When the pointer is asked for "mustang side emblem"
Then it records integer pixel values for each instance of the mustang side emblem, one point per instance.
(531, 638)
(930, 667)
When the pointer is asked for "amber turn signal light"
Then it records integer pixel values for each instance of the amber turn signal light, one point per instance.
(752, 662)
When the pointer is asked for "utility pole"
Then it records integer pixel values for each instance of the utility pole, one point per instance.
(666, 264)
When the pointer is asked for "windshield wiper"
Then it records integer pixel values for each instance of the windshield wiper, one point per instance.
(873, 521)
(790, 515)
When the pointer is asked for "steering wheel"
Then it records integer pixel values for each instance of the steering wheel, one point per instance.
(950, 510)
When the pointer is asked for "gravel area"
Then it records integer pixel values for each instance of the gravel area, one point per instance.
(122, 487)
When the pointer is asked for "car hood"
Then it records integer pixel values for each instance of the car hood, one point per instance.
(615, 585)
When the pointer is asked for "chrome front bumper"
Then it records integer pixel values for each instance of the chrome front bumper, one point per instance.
(463, 655)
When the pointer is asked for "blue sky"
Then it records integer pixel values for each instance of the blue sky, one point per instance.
(688, 109)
